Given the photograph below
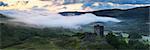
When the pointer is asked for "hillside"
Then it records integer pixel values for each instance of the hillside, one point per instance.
(27, 38)
(133, 20)
(135, 12)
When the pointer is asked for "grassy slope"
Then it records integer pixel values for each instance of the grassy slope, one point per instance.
(14, 35)
(27, 38)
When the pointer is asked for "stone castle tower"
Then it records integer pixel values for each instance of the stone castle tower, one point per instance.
(99, 30)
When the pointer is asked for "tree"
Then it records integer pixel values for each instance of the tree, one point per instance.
(115, 41)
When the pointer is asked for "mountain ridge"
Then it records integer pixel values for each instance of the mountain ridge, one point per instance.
(114, 12)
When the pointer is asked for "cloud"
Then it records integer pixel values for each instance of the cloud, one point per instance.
(109, 5)
(47, 19)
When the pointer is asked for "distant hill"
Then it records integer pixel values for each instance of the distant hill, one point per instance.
(3, 16)
(135, 12)
(133, 20)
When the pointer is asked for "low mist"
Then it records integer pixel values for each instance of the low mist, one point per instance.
(47, 19)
